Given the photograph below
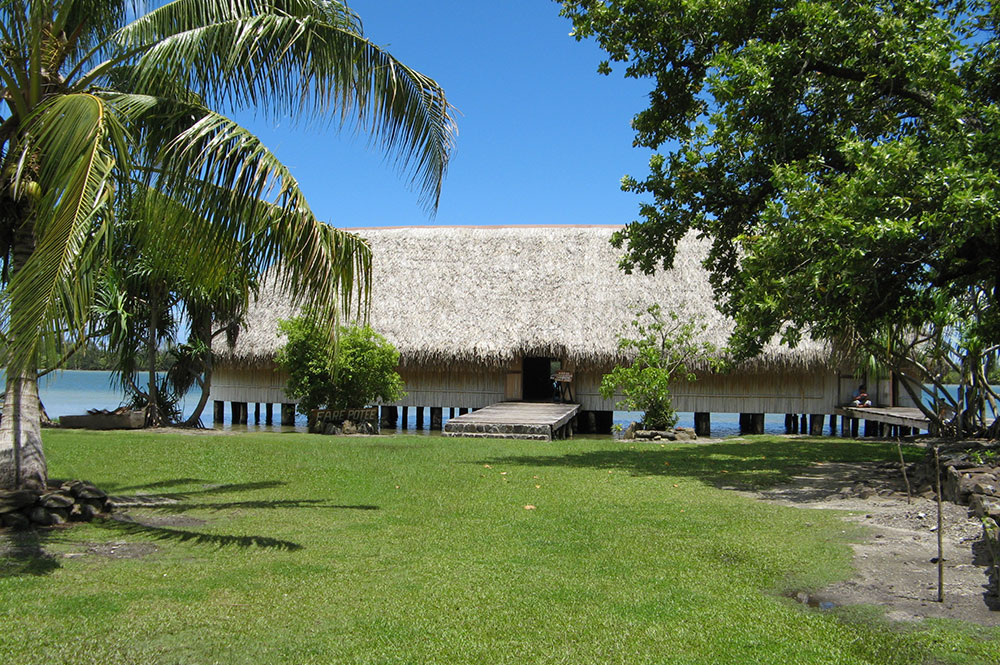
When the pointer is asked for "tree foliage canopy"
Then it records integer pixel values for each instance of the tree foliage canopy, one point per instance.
(842, 156)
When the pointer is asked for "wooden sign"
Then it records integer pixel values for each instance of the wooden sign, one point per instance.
(564, 377)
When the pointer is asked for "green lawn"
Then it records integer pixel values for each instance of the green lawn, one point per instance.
(293, 548)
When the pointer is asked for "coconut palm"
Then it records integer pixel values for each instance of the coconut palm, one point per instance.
(115, 100)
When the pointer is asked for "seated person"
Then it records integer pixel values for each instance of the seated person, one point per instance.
(860, 397)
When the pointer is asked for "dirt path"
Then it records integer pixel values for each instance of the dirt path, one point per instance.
(894, 565)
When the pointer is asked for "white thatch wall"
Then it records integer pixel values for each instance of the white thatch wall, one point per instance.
(489, 295)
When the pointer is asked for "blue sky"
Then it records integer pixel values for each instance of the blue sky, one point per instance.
(542, 138)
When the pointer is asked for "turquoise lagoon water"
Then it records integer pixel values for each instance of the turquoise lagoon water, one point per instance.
(75, 391)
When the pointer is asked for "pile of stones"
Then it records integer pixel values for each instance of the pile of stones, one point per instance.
(971, 477)
(344, 427)
(675, 434)
(71, 501)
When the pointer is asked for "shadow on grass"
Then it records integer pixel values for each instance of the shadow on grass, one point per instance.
(177, 502)
(285, 503)
(22, 554)
(749, 463)
(126, 525)
(173, 482)
(208, 490)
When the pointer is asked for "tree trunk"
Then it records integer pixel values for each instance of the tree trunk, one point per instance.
(201, 329)
(152, 409)
(22, 462)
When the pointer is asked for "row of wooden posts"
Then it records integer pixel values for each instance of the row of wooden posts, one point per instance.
(750, 423)
(240, 413)
(813, 424)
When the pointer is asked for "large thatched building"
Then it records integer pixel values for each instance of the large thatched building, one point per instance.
(486, 314)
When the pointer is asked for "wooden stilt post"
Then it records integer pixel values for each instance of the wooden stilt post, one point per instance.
(845, 426)
(287, 415)
(816, 424)
(803, 424)
(256, 413)
(219, 412)
(462, 412)
(437, 418)
(833, 424)
(744, 423)
(702, 423)
(420, 417)
(756, 423)
(406, 418)
(790, 424)
(234, 413)
(854, 427)
(451, 413)
(268, 413)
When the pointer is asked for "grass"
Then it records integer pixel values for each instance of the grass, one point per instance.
(288, 548)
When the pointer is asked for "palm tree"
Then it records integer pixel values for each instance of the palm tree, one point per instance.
(114, 100)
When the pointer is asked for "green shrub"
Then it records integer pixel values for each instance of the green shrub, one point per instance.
(359, 371)
(665, 350)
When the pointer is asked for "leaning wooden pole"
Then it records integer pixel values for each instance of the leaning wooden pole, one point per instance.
(940, 537)
(902, 466)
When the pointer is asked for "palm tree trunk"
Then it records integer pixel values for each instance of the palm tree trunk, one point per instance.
(22, 462)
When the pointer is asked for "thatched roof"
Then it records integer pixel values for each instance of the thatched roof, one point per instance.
(489, 294)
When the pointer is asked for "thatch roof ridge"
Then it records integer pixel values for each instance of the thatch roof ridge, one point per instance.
(457, 294)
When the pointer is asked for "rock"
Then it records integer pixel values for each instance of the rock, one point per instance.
(16, 520)
(984, 506)
(952, 480)
(59, 515)
(89, 492)
(685, 434)
(331, 429)
(56, 500)
(16, 499)
(982, 486)
(40, 515)
(87, 512)
(630, 431)
(350, 427)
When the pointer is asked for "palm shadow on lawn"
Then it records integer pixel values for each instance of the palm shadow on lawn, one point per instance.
(22, 552)
(750, 463)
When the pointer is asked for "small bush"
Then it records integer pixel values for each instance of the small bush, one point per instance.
(359, 371)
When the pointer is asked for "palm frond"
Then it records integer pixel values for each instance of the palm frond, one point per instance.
(284, 58)
(80, 145)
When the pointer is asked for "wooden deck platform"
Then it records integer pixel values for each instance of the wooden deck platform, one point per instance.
(902, 416)
(536, 421)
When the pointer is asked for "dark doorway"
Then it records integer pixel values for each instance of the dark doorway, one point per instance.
(537, 377)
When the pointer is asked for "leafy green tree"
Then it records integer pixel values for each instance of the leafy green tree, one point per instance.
(119, 104)
(664, 350)
(358, 371)
(842, 156)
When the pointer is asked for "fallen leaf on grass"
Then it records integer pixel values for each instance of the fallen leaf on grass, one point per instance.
(538, 487)
(487, 466)
(503, 473)
(529, 507)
